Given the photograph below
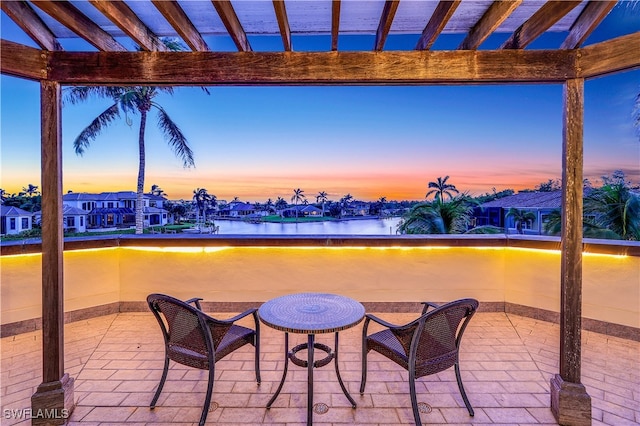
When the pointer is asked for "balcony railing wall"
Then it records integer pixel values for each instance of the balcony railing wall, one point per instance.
(389, 274)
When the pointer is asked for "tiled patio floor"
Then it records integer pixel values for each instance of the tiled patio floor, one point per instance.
(507, 362)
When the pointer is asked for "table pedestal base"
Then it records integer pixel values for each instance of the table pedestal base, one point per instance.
(310, 364)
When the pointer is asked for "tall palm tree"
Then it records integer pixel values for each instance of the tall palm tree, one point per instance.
(322, 198)
(298, 195)
(280, 203)
(130, 101)
(202, 199)
(379, 205)
(436, 217)
(520, 217)
(344, 202)
(268, 205)
(442, 188)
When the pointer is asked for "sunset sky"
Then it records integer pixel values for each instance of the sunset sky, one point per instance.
(263, 142)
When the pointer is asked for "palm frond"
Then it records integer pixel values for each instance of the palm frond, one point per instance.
(175, 138)
(78, 94)
(95, 127)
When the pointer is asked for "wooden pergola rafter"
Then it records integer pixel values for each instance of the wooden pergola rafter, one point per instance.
(151, 64)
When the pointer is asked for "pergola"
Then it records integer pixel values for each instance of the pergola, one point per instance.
(101, 22)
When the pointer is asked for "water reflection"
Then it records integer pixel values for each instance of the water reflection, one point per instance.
(338, 227)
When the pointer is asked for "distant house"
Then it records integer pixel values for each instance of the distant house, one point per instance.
(303, 211)
(356, 208)
(73, 218)
(237, 209)
(117, 209)
(15, 220)
(541, 204)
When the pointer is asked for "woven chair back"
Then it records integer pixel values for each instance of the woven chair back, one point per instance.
(438, 336)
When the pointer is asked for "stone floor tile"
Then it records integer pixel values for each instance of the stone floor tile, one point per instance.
(509, 415)
(118, 365)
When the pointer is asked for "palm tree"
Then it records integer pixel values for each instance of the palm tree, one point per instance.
(268, 205)
(442, 188)
(553, 226)
(520, 217)
(379, 205)
(436, 217)
(615, 207)
(130, 101)
(3, 195)
(157, 191)
(202, 199)
(344, 202)
(321, 198)
(30, 190)
(280, 204)
(298, 195)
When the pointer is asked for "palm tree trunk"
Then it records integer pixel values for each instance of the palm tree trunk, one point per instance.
(141, 166)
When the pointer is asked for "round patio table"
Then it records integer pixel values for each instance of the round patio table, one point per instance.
(311, 314)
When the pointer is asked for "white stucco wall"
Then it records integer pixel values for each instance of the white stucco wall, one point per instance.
(611, 284)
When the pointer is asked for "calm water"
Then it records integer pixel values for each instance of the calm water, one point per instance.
(344, 227)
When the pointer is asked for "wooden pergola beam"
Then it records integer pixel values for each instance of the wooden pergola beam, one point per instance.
(180, 22)
(591, 16)
(27, 19)
(124, 18)
(384, 26)
(312, 68)
(437, 22)
(69, 16)
(490, 21)
(22, 61)
(609, 56)
(283, 23)
(232, 24)
(550, 13)
(335, 24)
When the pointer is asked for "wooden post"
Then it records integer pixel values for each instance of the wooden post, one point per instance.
(53, 401)
(570, 403)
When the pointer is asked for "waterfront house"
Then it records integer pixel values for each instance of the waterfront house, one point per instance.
(73, 218)
(117, 209)
(303, 210)
(240, 209)
(541, 204)
(15, 220)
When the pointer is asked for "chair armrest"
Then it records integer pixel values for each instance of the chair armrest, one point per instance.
(242, 315)
(427, 305)
(195, 301)
(371, 317)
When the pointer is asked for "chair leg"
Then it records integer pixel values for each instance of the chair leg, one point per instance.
(363, 380)
(207, 398)
(257, 360)
(414, 398)
(462, 392)
(161, 385)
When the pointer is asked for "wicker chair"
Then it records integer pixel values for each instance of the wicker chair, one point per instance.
(197, 340)
(426, 345)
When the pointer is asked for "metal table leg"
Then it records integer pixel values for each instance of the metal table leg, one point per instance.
(344, 389)
(284, 373)
(310, 380)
